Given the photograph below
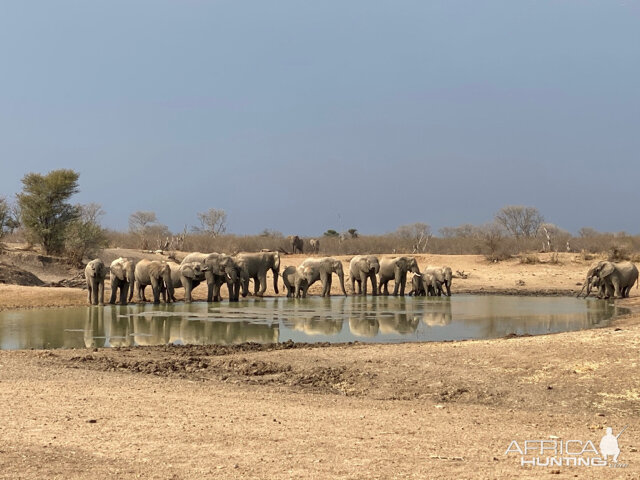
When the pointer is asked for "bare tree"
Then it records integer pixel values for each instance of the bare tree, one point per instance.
(418, 233)
(463, 231)
(146, 227)
(520, 221)
(139, 221)
(212, 222)
(588, 232)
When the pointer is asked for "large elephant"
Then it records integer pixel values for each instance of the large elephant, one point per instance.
(290, 277)
(187, 275)
(362, 268)
(122, 276)
(297, 244)
(95, 272)
(255, 266)
(158, 275)
(314, 245)
(396, 269)
(321, 269)
(612, 279)
(443, 276)
(219, 269)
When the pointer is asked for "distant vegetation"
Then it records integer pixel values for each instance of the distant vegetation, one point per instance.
(43, 216)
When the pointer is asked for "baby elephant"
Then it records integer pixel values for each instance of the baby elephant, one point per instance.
(425, 284)
(289, 277)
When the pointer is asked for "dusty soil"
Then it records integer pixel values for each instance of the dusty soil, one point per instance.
(430, 410)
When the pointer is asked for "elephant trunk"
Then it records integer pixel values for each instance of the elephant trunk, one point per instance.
(341, 277)
(276, 274)
(170, 290)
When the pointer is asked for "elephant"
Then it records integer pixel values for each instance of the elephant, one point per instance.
(95, 272)
(187, 275)
(158, 275)
(611, 279)
(255, 266)
(219, 268)
(297, 244)
(321, 269)
(122, 275)
(425, 284)
(362, 268)
(443, 276)
(314, 244)
(396, 269)
(289, 278)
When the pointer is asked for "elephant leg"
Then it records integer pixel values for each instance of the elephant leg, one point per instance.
(262, 283)
(114, 292)
(374, 286)
(384, 287)
(353, 285)
(155, 288)
(403, 282)
(329, 281)
(325, 281)
(210, 291)
(362, 283)
(124, 287)
(101, 293)
(397, 281)
(616, 288)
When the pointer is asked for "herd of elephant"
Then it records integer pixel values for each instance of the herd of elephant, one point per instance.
(610, 279)
(216, 269)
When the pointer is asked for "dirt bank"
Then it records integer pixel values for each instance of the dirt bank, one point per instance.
(431, 410)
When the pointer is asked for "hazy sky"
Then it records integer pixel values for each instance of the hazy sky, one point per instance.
(301, 116)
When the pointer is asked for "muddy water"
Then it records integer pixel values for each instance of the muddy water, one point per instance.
(335, 319)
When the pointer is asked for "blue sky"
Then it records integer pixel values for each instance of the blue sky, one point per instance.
(302, 116)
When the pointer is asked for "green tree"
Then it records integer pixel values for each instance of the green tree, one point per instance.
(331, 233)
(44, 210)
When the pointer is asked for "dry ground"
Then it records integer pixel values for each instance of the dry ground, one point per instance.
(430, 410)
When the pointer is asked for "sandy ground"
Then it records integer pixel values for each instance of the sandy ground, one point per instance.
(430, 410)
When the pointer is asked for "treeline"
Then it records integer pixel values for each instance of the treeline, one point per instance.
(42, 215)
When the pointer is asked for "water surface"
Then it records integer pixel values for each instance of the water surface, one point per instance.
(315, 319)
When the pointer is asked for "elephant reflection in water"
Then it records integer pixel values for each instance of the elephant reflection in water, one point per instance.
(148, 327)
(118, 327)
(433, 312)
(93, 327)
(210, 332)
(395, 316)
(314, 319)
(363, 318)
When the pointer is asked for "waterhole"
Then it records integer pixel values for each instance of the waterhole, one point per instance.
(315, 319)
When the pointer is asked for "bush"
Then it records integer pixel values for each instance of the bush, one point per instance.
(529, 259)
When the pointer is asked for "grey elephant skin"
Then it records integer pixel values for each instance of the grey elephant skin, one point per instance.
(361, 269)
(443, 276)
(122, 276)
(220, 269)
(158, 275)
(297, 244)
(322, 269)
(612, 279)
(188, 275)
(255, 266)
(290, 276)
(396, 269)
(95, 273)
(425, 285)
(314, 245)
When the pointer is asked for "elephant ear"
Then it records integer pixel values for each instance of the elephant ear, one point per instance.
(607, 269)
(117, 270)
(363, 265)
(188, 271)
